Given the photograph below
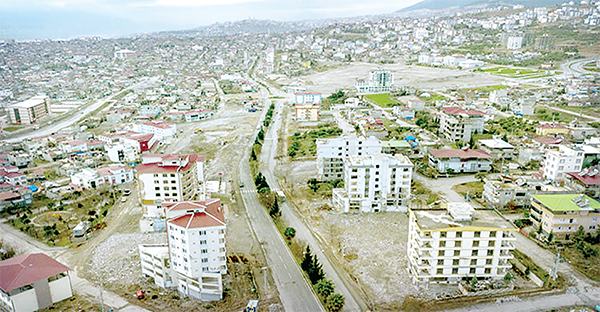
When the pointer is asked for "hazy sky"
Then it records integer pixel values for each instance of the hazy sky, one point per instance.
(28, 19)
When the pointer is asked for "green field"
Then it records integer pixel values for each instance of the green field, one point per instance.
(382, 99)
(12, 128)
(510, 72)
(488, 88)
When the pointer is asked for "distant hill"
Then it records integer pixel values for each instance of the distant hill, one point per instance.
(444, 4)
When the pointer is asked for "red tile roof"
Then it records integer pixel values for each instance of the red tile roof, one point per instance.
(212, 215)
(459, 153)
(549, 140)
(157, 168)
(586, 179)
(550, 126)
(25, 269)
(211, 203)
(454, 110)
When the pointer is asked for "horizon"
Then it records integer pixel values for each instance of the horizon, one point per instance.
(71, 19)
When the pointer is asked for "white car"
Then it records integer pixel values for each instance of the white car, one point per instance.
(123, 199)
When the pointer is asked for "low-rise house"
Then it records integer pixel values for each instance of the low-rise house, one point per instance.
(404, 112)
(140, 142)
(563, 214)
(197, 115)
(149, 110)
(504, 191)
(117, 116)
(394, 147)
(550, 129)
(111, 175)
(307, 111)
(32, 282)
(498, 148)
(459, 160)
(11, 177)
(70, 147)
(120, 152)
(417, 105)
(161, 130)
(457, 244)
(585, 182)
(15, 196)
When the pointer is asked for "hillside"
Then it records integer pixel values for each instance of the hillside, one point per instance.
(444, 4)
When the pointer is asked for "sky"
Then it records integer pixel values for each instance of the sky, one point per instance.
(63, 19)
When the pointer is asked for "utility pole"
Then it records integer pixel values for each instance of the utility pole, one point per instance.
(101, 298)
(265, 271)
(555, 270)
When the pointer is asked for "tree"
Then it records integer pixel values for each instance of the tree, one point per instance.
(289, 233)
(253, 156)
(480, 176)
(275, 212)
(307, 260)
(325, 288)
(261, 134)
(579, 235)
(507, 277)
(335, 303)
(315, 273)
(550, 237)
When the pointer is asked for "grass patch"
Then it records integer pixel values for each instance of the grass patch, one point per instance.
(488, 88)
(12, 128)
(592, 68)
(304, 144)
(536, 269)
(509, 72)
(381, 99)
(512, 125)
(588, 267)
(474, 189)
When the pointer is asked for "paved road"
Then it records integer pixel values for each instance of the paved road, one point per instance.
(575, 68)
(354, 302)
(540, 303)
(294, 291)
(444, 185)
(48, 130)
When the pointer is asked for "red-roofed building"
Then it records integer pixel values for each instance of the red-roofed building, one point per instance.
(587, 181)
(550, 129)
(140, 142)
(69, 147)
(459, 160)
(14, 178)
(169, 178)
(31, 282)
(457, 124)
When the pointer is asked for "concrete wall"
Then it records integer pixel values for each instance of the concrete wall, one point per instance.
(61, 289)
(25, 301)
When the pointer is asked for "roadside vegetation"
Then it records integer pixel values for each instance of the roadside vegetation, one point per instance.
(324, 188)
(584, 253)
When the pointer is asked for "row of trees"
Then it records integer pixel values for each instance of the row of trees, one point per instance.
(324, 287)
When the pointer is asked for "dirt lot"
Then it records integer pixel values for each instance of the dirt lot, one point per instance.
(404, 75)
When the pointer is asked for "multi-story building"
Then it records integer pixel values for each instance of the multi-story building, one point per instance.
(448, 246)
(459, 160)
(457, 124)
(160, 129)
(307, 98)
(28, 112)
(379, 80)
(585, 182)
(501, 192)
(307, 111)
(563, 214)
(111, 175)
(373, 183)
(550, 129)
(565, 159)
(331, 153)
(498, 148)
(193, 260)
(168, 178)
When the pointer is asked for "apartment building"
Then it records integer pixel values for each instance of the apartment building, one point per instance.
(457, 244)
(550, 129)
(194, 259)
(459, 160)
(563, 214)
(331, 153)
(501, 192)
(378, 80)
(565, 159)
(457, 124)
(161, 130)
(498, 148)
(29, 111)
(308, 98)
(169, 178)
(307, 111)
(111, 175)
(375, 182)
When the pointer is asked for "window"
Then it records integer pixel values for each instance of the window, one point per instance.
(454, 270)
(157, 188)
(490, 252)
(166, 188)
(493, 234)
(156, 182)
(202, 232)
(156, 175)
(474, 253)
(203, 242)
(488, 261)
(440, 253)
(455, 262)
(458, 234)
(443, 234)
(477, 234)
(487, 271)
(473, 261)
(443, 244)
(164, 175)
(204, 251)
(457, 244)
(204, 260)
(440, 271)
(173, 181)
(172, 175)
(157, 194)
(472, 270)
(440, 262)
(174, 194)
(491, 243)
(457, 253)
(173, 188)
(475, 243)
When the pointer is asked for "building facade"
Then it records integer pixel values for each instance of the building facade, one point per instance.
(458, 160)
(307, 111)
(331, 153)
(379, 80)
(457, 124)
(375, 182)
(458, 244)
(169, 178)
(565, 159)
(563, 214)
(28, 112)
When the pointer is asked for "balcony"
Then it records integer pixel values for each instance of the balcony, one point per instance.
(506, 255)
(507, 245)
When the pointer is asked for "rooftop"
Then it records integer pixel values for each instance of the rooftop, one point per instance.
(496, 143)
(441, 220)
(566, 202)
(454, 110)
(25, 269)
(36, 100)
(460, 153)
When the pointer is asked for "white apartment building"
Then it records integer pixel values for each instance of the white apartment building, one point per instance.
(194, 259)
(379, 80)
(307, 98)
(93, 178)
(565, 159)
(120, 152)
(457, 124)
(161, 130)
(27, 112)
(460, 243)
(331, 153)
(169, 178)
(458, 160)
(373, 183)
